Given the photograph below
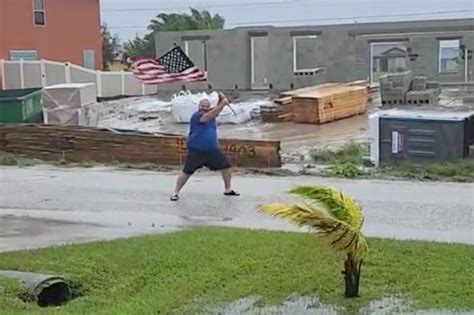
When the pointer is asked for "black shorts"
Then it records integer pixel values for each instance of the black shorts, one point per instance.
(215, 161)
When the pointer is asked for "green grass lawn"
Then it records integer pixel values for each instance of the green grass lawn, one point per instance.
(194, 269)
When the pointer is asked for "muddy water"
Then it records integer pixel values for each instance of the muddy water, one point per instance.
(304, 305)
(152, 115)
(126, 114)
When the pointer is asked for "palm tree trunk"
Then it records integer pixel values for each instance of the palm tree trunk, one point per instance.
(352, 269)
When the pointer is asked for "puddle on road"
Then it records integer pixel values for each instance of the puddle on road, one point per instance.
(305, 305)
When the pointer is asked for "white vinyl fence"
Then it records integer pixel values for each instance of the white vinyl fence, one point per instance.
(22, 74)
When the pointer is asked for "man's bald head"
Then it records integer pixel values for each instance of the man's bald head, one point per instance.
(204, 105)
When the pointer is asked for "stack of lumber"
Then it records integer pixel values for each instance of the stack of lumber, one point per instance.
(283, 108)
(75, 144)
(329, 104)
(365, 84)
(320, 104)
(308, 89)
(278, 112)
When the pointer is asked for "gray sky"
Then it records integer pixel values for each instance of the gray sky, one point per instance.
(129, 17)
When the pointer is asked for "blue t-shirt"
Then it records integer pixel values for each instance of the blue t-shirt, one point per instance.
(202, 136)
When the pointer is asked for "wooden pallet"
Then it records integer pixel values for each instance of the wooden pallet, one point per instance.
(85, 144)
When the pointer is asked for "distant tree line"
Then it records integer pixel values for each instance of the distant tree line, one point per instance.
(144, 47)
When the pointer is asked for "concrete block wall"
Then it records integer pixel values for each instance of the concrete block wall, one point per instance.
(342, 52)
(280, 71)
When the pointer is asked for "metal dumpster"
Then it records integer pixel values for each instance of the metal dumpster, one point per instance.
(430, 136)
(20, 106)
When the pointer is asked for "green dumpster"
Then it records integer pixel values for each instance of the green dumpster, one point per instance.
(21, 106)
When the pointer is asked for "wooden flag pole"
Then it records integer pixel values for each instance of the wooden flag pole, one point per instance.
(228, 105)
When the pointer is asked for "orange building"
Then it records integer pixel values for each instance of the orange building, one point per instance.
(58, 30)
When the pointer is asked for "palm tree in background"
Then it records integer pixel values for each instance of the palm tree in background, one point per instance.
(197, 20)
(335, 218)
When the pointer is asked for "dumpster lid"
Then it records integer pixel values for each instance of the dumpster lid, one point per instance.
(17, 94)
(426, 114)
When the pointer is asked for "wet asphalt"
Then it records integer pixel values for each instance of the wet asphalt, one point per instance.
(44, 206)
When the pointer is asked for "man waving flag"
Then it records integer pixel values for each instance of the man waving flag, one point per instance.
(173, 66)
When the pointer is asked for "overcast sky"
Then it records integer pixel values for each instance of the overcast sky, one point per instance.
(129, 17)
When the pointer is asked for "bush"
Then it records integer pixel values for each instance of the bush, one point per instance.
(7, 159)
(350, 153)
(348, 170)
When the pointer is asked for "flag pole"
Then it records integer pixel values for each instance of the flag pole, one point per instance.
(228, 105)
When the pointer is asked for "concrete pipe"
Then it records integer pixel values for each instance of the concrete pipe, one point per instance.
(46, 290)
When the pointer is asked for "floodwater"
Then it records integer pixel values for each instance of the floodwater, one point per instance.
(309, 305)
(153, 115)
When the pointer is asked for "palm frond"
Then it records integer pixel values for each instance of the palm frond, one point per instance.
(339, 234)
(340, 206)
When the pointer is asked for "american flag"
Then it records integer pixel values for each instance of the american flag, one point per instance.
(172, 67)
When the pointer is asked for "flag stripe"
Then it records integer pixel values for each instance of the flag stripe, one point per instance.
(172, 67)
(150, 75)
(195, 78)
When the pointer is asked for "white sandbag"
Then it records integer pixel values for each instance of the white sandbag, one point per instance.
(185, 104)
(150, 105)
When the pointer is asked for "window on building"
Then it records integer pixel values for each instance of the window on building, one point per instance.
(23, 55)
(89, 59)
(304, 53)
(39, 13)
(196, 50)
(449, 53)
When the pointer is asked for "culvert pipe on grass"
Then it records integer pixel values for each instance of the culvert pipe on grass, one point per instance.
(46, 290)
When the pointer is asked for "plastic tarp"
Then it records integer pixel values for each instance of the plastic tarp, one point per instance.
(185, 104)
(86, 116)
(73, 105)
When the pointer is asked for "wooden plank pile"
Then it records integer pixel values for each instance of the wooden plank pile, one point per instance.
(75, 144)
(320, 104)
(282, 110)
(364, 83)
(330, 104)
(279, 112)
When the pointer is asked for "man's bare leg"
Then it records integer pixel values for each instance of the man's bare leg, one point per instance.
(180, 182)
(227, 177)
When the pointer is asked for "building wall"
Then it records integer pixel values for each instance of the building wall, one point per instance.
(342, 52)
(72, 26)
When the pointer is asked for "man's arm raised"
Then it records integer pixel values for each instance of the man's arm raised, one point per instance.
(213, 113)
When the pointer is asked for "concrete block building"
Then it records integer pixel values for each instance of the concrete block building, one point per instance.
(266, 57)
